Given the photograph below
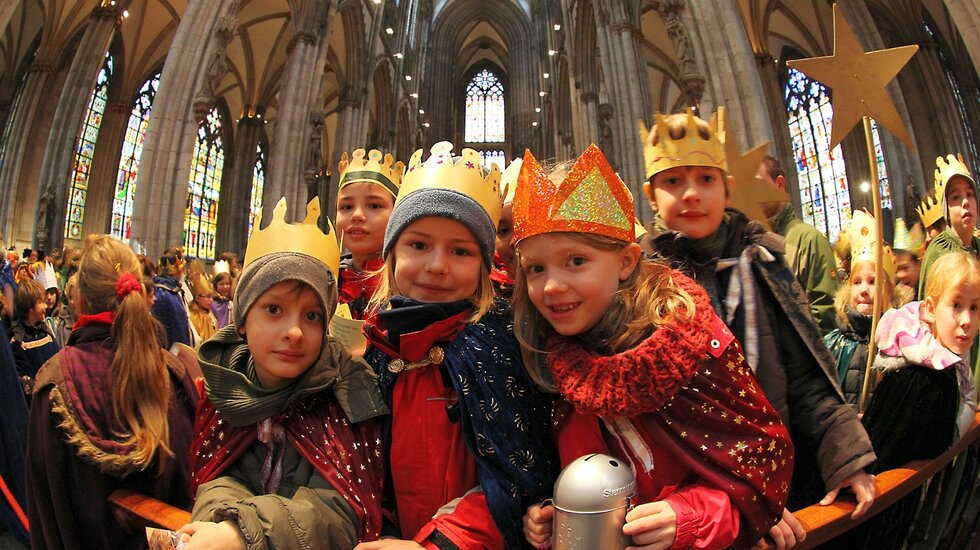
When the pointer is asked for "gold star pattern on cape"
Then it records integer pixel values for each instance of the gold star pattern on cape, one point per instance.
(857, 80)
(749, 192)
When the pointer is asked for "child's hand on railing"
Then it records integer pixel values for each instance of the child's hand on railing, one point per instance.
(863, 485)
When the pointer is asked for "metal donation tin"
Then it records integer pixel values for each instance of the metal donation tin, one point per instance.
(592, 496)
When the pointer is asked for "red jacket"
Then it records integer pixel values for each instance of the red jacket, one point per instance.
(426, 445)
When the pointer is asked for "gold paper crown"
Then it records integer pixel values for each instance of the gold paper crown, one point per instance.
(304, 238)
(221, 266)
(374, 168)
(661, 151)
(591, 199)
(864, 236)
(508, 180)
(464, 174)
(930, 210)
(947, 169)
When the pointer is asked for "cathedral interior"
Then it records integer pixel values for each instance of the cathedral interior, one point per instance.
(169, 122)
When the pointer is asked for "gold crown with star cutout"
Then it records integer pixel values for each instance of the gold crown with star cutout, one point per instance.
(374, 167)
(303, 238)
(948, 168)
(464, 174)
(662, 151)
(930, 210)
(863, 233)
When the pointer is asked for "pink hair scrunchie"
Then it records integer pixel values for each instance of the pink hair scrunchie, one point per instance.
(127, 283)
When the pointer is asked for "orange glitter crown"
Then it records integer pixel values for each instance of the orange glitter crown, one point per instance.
(591, 199)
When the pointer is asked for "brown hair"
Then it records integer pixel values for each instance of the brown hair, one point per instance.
(772, 167)
(141, 381)
(646, 300)
(29, 292)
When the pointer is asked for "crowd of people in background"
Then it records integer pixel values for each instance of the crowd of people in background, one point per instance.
(509, 324)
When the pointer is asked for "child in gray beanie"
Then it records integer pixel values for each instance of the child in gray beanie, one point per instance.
(466, 453)
(286, 443)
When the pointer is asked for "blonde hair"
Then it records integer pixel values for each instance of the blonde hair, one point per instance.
(482, 299)
(140, 379)
(646, 300)
(951, 270)
(893, 296)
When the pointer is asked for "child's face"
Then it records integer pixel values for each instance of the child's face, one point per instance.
(38, 312)
(203, 301)
(863, 288)
(224, 287)
(437, 260)
(690, 199)
(363, 209)
(571, 283)
(284, 329)
(505, 234)
(51, 298)
(907, 270)
(962, 205)
(954, 317)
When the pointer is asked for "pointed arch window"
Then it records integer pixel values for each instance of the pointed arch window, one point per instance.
(258, 186)
(201, 218)
(485, 111)
(485, 108)
(129, 160)
(824, 196)
(85, 152)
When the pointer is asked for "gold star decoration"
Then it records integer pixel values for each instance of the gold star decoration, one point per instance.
(748, 193)
(857, 80)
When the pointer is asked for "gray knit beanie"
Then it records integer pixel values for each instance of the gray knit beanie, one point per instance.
(445, 203)
(266, 271)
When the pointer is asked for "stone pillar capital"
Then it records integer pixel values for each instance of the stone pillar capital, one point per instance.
(764, 59)
(669, 6)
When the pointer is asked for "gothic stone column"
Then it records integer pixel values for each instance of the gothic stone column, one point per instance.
(236, 189)
(290, 145)
(22, 140)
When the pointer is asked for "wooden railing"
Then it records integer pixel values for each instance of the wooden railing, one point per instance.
(822, 523)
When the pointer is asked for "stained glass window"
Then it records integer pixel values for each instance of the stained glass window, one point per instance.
(824, 196)
(201, 219)
(85, 152)
(258, 186)
(485, 108)
(129, 161)
(885, 189)
(494, 157)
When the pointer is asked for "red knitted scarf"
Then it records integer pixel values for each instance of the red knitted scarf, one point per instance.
(641, 379)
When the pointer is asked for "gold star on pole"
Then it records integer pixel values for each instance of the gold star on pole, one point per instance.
(749, 192)
(857, 80)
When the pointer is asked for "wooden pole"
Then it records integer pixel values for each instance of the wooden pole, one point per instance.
(879, 263)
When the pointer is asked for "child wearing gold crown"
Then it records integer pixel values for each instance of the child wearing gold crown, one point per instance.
(466, 454)
(854, 301)
(286, 450)
(957, 193)
(741, 267)
(926, 399)
(645, 370)
(365, 196)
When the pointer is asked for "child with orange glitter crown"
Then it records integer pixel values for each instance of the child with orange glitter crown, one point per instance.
(645, 370)
(365, 196)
